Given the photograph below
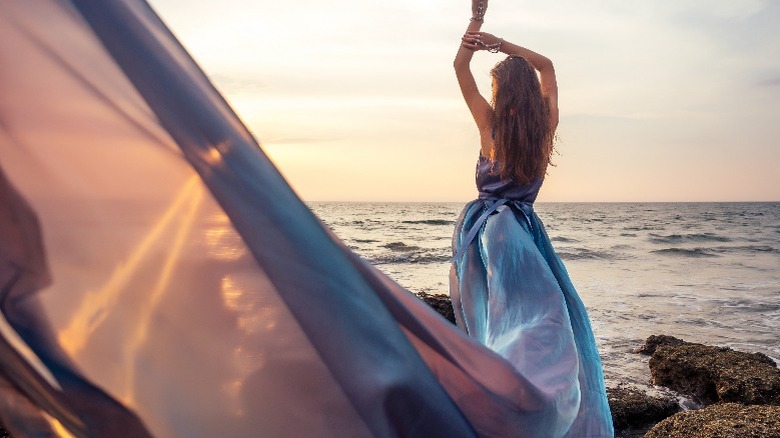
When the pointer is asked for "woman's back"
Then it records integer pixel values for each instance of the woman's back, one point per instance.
(491, 185)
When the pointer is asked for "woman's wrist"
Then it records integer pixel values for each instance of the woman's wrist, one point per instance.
(479, 14)
(495, 47)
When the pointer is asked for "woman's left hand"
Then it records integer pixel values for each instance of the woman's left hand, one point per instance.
(473, 40)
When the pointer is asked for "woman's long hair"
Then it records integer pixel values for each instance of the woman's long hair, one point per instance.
(522, 131)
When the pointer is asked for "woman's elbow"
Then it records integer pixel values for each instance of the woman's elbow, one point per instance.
(546, 65)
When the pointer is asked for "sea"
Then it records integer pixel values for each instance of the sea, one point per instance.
(702, 272)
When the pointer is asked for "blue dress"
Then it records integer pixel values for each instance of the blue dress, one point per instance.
(512, 293)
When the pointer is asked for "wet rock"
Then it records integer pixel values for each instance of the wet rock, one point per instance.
(721, 421)
(441, 303)
(713, 374)
(655, 341)
(633, 408)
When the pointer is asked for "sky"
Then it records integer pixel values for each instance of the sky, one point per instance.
(356, 100)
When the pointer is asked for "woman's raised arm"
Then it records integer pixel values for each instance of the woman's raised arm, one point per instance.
(477, 104)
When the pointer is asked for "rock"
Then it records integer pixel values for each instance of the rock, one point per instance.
(441, 303)
(721, 421)
(713, 374)
(634, 409)
(656, 340)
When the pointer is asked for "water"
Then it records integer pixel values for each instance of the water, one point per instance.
(704, 272)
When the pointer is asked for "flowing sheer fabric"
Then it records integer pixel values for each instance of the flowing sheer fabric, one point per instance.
(159, 277)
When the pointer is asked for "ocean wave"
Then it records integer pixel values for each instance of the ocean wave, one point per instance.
(644, 228)
(748, 248)
(431, 222)
(704, 322)
(416, 258)
(685, 252)
(648, 295)
(403, 253)
(695, 237)
(400, 246)
(563, 239)
(730, 249)
(749, 306)
(586, 254)
(365, 240)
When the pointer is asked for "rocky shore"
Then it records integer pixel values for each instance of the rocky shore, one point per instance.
(440, 303)
(738, 392)
(721, 420)
(712, 374)
(634, 411)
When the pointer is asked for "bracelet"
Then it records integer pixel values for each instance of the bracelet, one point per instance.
(480, 15)
(494, 48)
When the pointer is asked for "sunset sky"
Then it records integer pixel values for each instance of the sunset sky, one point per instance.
(660, 100)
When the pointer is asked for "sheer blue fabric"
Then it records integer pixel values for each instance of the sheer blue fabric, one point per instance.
(159, 277)
(511, 292)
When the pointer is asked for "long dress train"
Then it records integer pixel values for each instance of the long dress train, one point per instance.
(159, 277)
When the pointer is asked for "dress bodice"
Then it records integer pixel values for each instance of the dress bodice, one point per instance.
(491, 185)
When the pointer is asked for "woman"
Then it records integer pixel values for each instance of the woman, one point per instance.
(509, 288)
